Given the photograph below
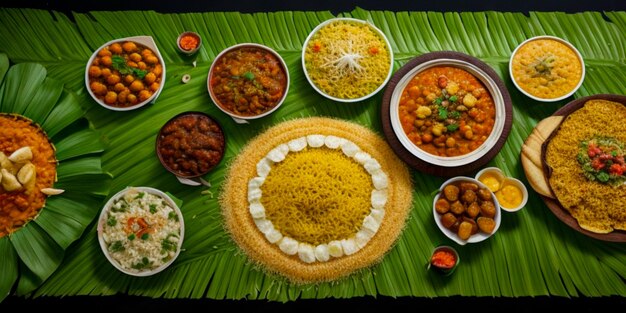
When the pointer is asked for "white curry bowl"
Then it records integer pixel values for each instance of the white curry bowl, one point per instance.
(146, 41)
(454, 161)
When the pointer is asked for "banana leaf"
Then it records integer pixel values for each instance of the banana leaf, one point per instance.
(33, 252)
(533, 253)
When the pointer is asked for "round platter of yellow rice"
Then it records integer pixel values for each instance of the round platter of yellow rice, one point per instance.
(589, 206)
(316, 199)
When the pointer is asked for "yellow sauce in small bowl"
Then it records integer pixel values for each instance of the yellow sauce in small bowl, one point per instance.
(511, 193)
(491, 181)
(509, 196)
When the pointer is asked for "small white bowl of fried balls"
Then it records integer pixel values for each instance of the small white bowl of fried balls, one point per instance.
(125, 74)
(466, 210)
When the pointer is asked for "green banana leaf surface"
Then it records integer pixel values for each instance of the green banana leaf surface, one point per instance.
(532, 254)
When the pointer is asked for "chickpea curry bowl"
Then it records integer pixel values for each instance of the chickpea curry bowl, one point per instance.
(248, 81)
(125, 74)
(449, 112)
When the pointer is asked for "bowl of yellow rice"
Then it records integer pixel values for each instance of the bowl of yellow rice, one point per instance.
(347, 60)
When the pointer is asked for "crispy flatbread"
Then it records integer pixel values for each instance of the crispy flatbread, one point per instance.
(531, 154)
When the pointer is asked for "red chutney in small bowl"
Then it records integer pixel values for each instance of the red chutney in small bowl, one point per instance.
(190, 144)
(248, 80)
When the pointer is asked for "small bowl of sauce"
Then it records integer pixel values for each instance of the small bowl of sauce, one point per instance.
(189, 42)
(511, 193)
(444, 260)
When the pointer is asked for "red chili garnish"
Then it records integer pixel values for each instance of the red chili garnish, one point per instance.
(616, 169)
(317, 47)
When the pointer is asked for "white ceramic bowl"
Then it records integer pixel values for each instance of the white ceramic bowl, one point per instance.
(456, 161)
(517, 183)
(144, 40)
(566, 43)
(478, 237)
(378, 31)
(495, 173)
(503, 180)
(241, 118)
(102, 220)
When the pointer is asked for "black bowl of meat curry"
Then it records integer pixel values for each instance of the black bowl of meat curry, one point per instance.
(190, 144)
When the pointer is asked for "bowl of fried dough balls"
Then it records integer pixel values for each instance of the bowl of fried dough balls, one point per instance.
(126, 74)
(466, 210)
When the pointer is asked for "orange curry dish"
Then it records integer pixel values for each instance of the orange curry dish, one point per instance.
(446, 111)
(28, 166)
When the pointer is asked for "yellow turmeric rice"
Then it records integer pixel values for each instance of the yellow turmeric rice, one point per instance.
(311, 203)
(347, 59)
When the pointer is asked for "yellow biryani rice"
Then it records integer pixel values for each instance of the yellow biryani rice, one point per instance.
(325, 195)
(347, 59)
(598, 207)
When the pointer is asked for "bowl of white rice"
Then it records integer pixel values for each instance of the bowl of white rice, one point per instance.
(141, 231)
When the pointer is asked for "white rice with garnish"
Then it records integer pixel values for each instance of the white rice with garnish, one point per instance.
(141, 231)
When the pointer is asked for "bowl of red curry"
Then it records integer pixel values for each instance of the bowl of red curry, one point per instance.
(447, 113)
(248, 81)
(190, 144)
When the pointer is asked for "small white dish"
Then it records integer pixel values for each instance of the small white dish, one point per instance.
(496, 181)
(501, 194)
(193, 35)
(478, 237)
(492, 177)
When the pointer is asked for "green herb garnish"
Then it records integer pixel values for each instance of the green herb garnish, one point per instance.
(111, 221)
(139, 195)
(437, 101)
(452, 127)
(453, 99)
(443, 113)
(145, 263)
(116, 246)
(173, 216)
(248, 75)
(131, 237)
(145, 236)
(119, 63)
(153, 208)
